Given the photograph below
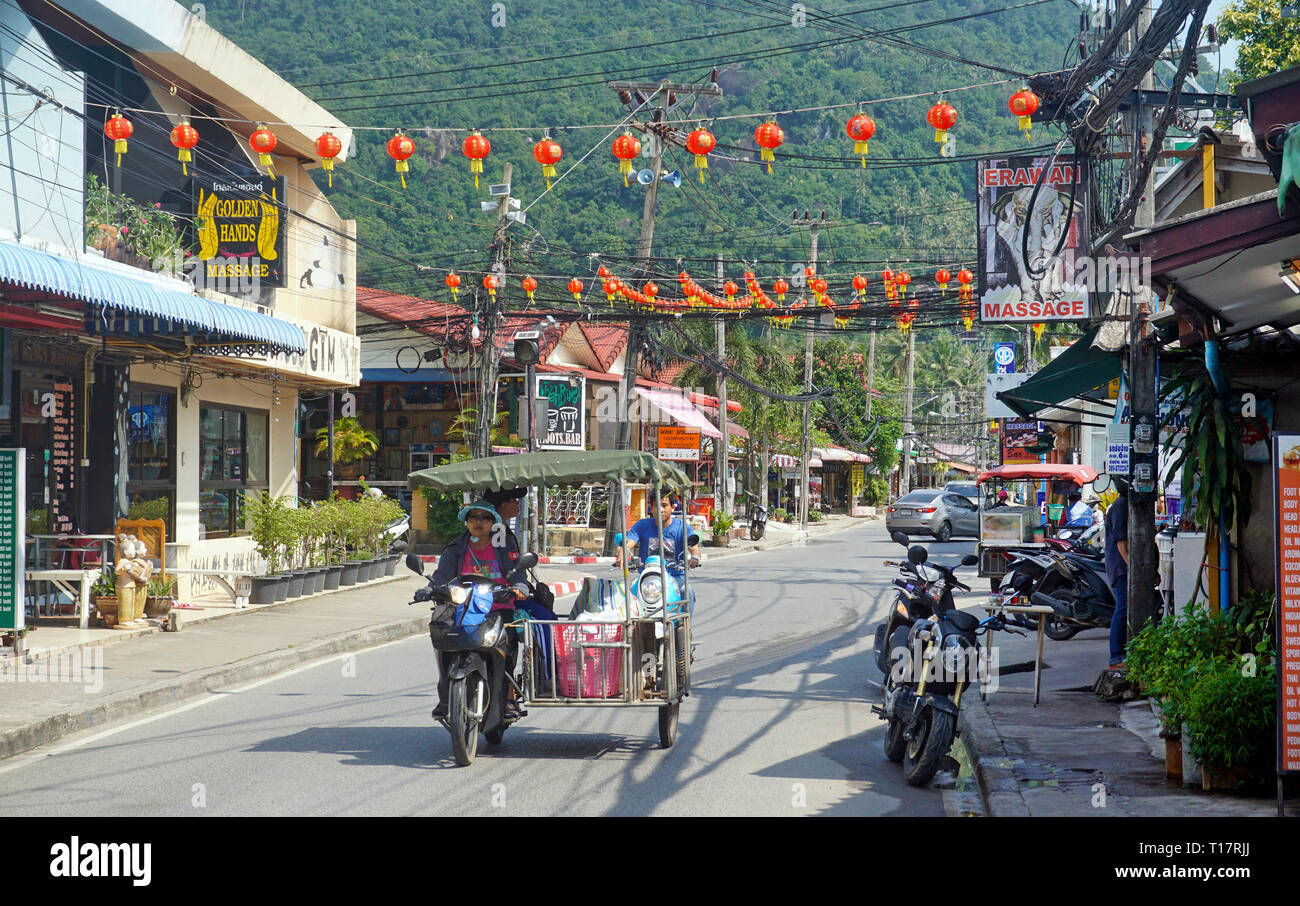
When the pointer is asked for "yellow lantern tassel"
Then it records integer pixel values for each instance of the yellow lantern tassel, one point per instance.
(119, 145)
(625, 167)
(1025, 124)
(268, 163)
(701, 164)
(941, 135)
(861, 148)
(402, 169)
(548, 171)
(768, 156)
(476, 167)
(328, 164)
(183, 156)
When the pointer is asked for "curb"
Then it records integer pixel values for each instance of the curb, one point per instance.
(992, 766)
(126, 705)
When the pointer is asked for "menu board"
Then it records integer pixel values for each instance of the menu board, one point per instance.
(1017, 437)
(679, 444)
(63, 462)
(13, 520)
(1286, 463)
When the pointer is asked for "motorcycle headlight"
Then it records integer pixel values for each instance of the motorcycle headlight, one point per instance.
(492, 633)
(459, 594)
(651, 590)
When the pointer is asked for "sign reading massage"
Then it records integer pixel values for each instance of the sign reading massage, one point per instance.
(566, 416)
(240, 232)
(1038, 287)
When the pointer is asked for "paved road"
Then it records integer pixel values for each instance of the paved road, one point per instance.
(778, 724)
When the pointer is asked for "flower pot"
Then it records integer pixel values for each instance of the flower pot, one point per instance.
(263, 590)
(332, 576)
(349, 574)
(390, 564)
(106, 605)
(367, 571)
(282, 587)
(157, 607)
(295, 583)
(318, 575)
(1217, 778)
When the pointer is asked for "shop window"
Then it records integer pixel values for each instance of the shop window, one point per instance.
(151, 456)
(233, 451)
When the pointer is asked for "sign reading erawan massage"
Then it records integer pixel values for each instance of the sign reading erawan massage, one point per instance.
(1022, 276)
(239, 231)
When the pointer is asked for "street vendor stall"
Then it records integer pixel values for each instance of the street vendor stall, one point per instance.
(1033, 510)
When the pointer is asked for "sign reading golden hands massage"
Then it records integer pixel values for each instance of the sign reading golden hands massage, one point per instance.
(239, 229)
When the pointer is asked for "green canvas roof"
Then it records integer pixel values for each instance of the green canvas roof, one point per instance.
(549, 469)
(1073, 373)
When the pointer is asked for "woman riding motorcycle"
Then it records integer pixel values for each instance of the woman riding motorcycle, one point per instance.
(486, 548)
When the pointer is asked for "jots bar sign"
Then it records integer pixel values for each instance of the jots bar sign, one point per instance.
(240, 231)
(1041, 287)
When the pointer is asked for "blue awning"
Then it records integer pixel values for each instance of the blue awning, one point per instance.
(398, 376)
(117, 303)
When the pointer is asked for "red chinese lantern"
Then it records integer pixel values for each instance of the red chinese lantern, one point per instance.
(901, 280)
(626, 147)
(476, 148)
(529, 286)
(328, 147)
(184, 137)
(263, 141)
(548, 154)
(769, 137)
(700, 143)
(610, 288)
(730, 289)
(575, 287)
(942, 116)
(602, 272)
(905, 318)
(453, 283)
(490, 284)
(1024, 104)
(119, 129)
(780, 287)
(965, 277)
(651, 290)
(400, 147)
(818, 286)
(860, 128)
(942, 277)
(887, 277)
(859, 284)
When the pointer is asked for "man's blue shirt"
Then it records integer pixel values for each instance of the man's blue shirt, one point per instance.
(645, 534)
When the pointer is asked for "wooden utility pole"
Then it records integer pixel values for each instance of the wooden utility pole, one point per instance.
(905, 466)
(806, 457)
(871, 371)
(487, 407)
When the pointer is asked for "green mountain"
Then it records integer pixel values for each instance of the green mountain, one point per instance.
(437, 69)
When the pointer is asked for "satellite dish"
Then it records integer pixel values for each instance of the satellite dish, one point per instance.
(645, 177)
(674, 179)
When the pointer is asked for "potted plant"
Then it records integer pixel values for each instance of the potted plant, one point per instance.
(1232, 722)
(352, 441)
(329, 520)
(161, 596)
(267, 517)
(721, 526)
(104, 593)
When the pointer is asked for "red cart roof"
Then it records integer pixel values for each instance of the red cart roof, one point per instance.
(1080, 475)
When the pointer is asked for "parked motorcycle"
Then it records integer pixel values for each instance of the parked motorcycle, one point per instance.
(1071, 583)
(464, 625)
(757, 519)
(928, 652)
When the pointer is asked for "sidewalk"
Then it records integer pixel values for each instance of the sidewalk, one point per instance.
(1074, 755)
(76, 680)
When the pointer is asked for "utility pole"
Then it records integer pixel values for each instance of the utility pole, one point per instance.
(722, 444)
(667, 92)
(871, 371)
(810, 326)
(1142, 381)
(904, 468)
(487, 408)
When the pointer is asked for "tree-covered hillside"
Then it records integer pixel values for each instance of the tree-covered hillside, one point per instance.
(438, 69)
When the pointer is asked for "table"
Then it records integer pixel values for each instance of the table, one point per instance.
(1029, 609)
(104, 553)
(65, 580)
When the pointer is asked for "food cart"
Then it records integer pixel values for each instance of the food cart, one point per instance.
(1024, 522)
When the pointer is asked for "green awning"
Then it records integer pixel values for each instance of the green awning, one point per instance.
(1079, 369)
(549, 469)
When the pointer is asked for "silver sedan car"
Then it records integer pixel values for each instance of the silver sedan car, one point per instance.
(933, 512)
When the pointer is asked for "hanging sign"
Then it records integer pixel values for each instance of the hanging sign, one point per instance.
(239, 229)
(1286, 522)
(1015, 287)
(679, 444)
(566, 422)
(13, 523)
(1017, 438)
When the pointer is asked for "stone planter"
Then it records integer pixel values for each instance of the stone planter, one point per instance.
(263, 590)
(1233, 778)
(106, 605)
(1174, 759)
(349, 574)
(332, 576)
(157, 608)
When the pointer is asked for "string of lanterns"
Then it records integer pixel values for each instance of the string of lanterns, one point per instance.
(700, 142)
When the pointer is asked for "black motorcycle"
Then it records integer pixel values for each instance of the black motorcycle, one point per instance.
(1072, 584)
(479, 648)
(757, 520)
(928, 652)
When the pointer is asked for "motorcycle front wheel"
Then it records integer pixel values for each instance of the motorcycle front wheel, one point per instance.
(464, 728)
(934, 735)
(668, 725)
(895, 741)
(755, 532)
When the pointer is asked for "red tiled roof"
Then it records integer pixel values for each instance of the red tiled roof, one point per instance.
(425, 315)
(607, 340)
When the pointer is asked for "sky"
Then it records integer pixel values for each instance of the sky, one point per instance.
(1229, 49)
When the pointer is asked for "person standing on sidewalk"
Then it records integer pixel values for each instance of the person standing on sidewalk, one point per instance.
(1117, 572)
